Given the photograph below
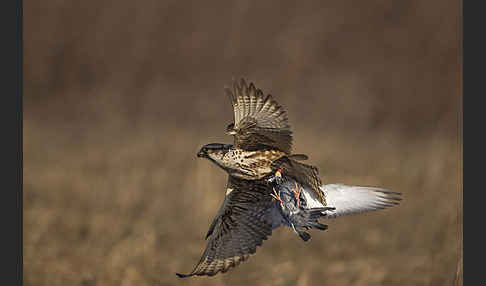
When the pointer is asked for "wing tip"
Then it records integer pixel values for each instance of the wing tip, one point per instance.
(243, 82)
(391, 197)
(229, 93)
(180, 275)
(385, 191)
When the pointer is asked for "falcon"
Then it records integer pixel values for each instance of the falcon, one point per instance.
(263, 140)
(268, 187)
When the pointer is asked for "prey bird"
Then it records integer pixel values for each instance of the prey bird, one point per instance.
(268, 186)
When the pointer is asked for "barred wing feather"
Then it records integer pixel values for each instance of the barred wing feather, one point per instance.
(259, 121)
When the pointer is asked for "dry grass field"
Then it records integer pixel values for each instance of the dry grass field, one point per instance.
(119, 97)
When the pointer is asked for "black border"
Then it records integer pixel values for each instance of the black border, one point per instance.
(11, 123)
(473, 64)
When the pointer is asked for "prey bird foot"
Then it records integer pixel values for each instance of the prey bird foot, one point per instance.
(277, 197)
(297, 192)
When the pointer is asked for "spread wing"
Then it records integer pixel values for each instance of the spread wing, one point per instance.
(259, 121)
(350, 200)
(241, 224)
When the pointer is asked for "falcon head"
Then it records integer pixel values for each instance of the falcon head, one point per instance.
(230, 130)
(214, 151)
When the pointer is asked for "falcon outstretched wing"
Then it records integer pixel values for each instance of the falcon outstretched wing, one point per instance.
(241, 224)
(259, 121)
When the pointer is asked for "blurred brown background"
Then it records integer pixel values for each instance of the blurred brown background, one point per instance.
(120, 95)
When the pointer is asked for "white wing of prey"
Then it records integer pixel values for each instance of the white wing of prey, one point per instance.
(350, 200)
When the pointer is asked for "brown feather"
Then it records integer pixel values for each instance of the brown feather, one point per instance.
(306, 175)
(238, 228)
(259, 121)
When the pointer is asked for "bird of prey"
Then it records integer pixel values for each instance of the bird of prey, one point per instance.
(267, 187)
(262, 140)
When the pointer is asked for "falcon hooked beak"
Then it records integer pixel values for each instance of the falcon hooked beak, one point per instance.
(201, 153)
(208, 150)
(230, 130)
